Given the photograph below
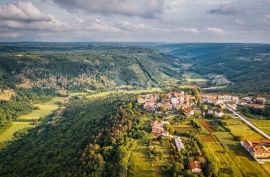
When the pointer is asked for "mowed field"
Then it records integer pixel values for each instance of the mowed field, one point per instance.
(44, 110)
(241, 159)
(140, 162)
(264, 125)
(227, 153)
(15, 126)
(238, 128)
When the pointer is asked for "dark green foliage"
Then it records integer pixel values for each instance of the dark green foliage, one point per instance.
(246, 66)
(84, 66)
(20, 104)
(83, 142)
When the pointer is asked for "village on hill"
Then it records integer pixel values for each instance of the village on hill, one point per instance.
(204, 113)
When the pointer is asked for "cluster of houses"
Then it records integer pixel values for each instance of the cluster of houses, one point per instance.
(231, 101)
(176, 100)
(258, 102)
(259, 149)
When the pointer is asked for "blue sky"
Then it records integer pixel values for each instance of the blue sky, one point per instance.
(136, 20)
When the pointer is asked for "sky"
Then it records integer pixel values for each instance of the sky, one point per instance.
(135, 20)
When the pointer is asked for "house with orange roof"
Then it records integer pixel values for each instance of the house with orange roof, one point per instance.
(195, 166)
(258, 149)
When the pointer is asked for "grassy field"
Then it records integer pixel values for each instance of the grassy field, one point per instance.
(45, 109)
(238, 128)
(264, 125)
(194, 78)
(222, 159)
(140, 162)
(16, 126)
(241, 159)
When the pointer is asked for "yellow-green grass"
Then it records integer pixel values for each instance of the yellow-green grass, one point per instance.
(140, 162)
(193, 77)
(241, 159)
(184, 126)
(15, 126)
(44, 110)
(221, 159)
(238, 128)
(163, 158)
(264, 125)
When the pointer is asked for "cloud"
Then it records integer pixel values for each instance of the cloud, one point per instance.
(215, 30)
(189, 30)
(266, 19)
(127, 26)
(223, 10)
(141, 8)
(22, 11)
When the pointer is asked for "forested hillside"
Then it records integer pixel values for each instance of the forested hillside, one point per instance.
(243, 67)
(44, 69)
(84, 140)
(77, 66)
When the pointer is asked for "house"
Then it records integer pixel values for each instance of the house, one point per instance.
(150, 106)
(218, 114)
(257, 106)
(195, 166)
(247, 99)
(157, 128)
(179, 144)
(174, 101)
(258, 149)
(260, 100)
(189, 112)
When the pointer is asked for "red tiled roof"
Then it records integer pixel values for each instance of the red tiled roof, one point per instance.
(194, 164)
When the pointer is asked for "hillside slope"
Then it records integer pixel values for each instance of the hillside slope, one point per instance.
(75, 66)
(244, 67)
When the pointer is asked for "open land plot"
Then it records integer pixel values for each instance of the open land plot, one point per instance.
(44, 110)
(222, 159)
(238, 128)
(140, 162)
(143, 164)
(242, 160)
(191, 77)
(206, 125)
(264, 125)
(207, 138)
(184, 126)
(15, 126)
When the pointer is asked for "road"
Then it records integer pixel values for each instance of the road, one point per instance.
(249, 123)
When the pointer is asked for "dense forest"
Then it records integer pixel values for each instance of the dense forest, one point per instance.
(243, 67)
(40, 70)
(92, 67)
(85, 140)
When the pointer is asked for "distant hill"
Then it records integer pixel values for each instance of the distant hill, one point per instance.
(245, 66)
(80, 65)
